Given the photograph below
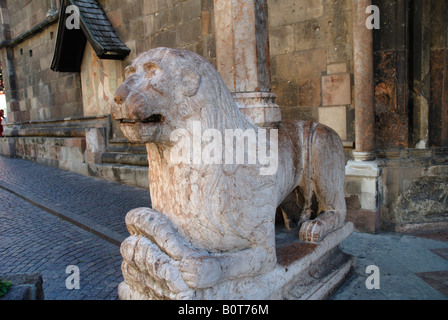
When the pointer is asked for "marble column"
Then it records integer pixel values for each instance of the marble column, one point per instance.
(364, 85)
(242, 46)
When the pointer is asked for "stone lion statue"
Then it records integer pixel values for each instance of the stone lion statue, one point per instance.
(211, 223)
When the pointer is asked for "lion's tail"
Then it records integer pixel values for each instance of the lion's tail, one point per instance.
(307, 140)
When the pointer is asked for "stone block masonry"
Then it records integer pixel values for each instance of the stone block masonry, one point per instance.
(65, 153)
(34, 92)
(151, 23)
(312, 62)
(70, 143)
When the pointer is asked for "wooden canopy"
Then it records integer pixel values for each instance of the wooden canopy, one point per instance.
(95, 27)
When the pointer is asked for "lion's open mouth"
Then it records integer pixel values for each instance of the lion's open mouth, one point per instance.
(155, 118)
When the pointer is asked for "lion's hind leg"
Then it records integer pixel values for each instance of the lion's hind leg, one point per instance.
(327, 164)
(315, 230)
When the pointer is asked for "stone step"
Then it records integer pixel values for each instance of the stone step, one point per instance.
(133, 159)
(123, 145)
(135, 176)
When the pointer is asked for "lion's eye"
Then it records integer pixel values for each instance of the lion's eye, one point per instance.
(130, 70)
(151, 69)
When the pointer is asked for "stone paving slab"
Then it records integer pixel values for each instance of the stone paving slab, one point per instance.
(409, 267)
(437, 279)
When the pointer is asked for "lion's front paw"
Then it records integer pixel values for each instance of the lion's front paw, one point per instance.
(312, 231)
(200, 272)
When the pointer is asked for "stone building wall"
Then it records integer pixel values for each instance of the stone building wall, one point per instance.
(42, 93)
(414, 190)
(144, 24)
(438, 55)
(62, 119)
(310, 44)
(391, 60)
(33, 91)
(312, 64)
(44, 108)
(25, 14)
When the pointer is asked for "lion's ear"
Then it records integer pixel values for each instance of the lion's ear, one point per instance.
(190, 80)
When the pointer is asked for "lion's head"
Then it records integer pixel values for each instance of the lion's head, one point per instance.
(164, 89)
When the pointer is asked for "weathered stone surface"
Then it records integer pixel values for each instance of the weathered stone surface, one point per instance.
(304, 64)
(335, 118)
(309, 40)
(391, 125)
(96, 144)
(212, 226)
(438, 111)
(289, 11)
(336, 90)
(425, 200)
(391, 66)
(401, 191)
(336, 68)
(68, 143)
(309, 92)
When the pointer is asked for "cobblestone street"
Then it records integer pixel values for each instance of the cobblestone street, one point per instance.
(34, 240)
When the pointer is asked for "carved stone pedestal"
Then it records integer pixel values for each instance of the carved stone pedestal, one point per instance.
(304, 271)
(309, 271)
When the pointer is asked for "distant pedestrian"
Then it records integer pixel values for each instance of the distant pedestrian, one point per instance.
(2, 116)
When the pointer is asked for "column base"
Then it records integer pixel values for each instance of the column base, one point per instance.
(364, 156)
(362, 193)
